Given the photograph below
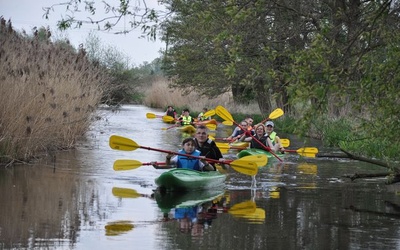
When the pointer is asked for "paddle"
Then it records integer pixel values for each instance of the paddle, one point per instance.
(173, 126)
(165, 118)
(274, 114)
(306, 152)
(126, 193)
(241, 165)
(123, 164)
(225, 145)
(224, 114)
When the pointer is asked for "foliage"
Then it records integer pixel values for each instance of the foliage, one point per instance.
(318, 60)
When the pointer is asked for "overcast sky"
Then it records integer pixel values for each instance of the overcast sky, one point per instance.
(26, 14)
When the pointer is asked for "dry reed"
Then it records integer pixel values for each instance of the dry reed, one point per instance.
(159, 95)
(48, 93)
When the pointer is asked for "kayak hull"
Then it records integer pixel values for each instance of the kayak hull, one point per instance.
(186, 180)
(187, 199)
(256, 151)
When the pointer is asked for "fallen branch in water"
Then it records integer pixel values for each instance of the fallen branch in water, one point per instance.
(392, 177)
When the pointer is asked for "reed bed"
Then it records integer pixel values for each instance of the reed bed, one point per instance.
(48, 94)
(159, 95)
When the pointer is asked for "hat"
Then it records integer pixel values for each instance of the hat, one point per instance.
(269, 123)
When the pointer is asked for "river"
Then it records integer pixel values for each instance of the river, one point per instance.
(75, 200)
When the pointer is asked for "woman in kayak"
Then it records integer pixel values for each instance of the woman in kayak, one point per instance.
(260, 135)
(187, 162)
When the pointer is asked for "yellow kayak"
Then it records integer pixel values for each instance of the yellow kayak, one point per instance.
(187, 129)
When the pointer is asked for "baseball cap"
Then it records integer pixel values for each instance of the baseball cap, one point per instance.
(269, 123)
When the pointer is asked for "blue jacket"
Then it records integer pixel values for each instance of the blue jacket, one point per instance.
(188, 162)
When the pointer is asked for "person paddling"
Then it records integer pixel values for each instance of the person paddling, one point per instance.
(206, 146)
(186, 119)
(171, 112)
(260, 135)
(273, 141)
(187, 162)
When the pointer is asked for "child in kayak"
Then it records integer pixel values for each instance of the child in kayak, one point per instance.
(273, 141)
(187, 162)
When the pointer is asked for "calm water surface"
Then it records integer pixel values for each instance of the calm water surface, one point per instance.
(79, 202)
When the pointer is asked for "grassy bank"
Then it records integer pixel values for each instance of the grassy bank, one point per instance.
(48, 94)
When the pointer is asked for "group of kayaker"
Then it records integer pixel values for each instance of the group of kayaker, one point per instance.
(260, 136)
(185, 118)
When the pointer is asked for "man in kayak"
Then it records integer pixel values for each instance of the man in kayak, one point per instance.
(206, 146)
(273, 141)
(187, 162)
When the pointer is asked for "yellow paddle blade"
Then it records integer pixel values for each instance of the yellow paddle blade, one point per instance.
(244, 167)
(306, 168)
(150, 115)
(243, 208)
(211, 126)
(211, 112)
(258, 217)
(307, 150)
(227, 123)
(309, 155)
(285, 142)
(276, 113)
(122, 165)
(261, 159)
(211, 137)
(118, 227)
(167, 118)
(222, 145)
(122, 143)
(125, 193)
(223, 113)
(224, 150)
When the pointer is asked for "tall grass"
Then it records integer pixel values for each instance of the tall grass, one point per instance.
(48, 93)
(159, 95)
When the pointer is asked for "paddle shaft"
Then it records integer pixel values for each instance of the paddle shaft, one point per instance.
(256, 140)
(181, 154)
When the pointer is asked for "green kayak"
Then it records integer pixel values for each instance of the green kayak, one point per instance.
(167, 201)
(186, 179)
(256, 151)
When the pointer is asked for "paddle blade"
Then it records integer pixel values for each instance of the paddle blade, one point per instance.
(211, 126)
(245, 167)
(125, 193)
(276, 113)
(167, 118)
(150, 115)
(223, 113)
(211, 112)
(261, 160)
(117, 228)
(122, 143)
(227, 123)
(242, 208)
(307, 150)
(285, 142)
(222, 145)
(122, 165)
